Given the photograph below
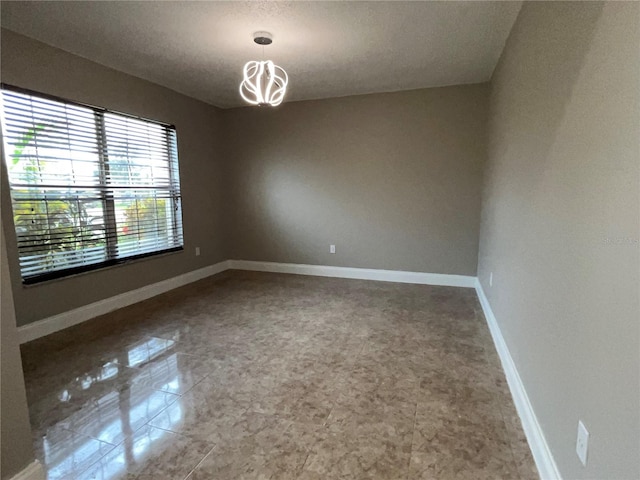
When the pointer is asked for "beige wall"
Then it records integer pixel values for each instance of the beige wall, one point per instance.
(15, 439)
(30, 64)
(393, 180)
(560, 225)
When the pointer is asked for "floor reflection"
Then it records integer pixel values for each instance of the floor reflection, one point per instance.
(147, 351)
(66, 453)
(106, 410)
(125, 458)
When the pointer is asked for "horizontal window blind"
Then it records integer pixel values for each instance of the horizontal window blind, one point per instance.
(89, 187)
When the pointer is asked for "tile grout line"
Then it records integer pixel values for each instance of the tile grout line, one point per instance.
(303, 465)
(413, 432)
(494, 396)
(333, 406)
(200, 462)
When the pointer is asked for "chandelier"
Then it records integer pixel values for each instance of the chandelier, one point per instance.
(264, 83)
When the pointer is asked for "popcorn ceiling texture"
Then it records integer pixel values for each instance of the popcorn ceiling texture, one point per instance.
(329, 49)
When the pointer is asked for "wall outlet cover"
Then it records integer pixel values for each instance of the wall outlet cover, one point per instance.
(582, 443)
(332, 249)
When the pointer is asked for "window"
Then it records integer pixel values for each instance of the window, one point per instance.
(89, 187)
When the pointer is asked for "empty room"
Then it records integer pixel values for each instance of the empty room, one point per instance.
(320, 240)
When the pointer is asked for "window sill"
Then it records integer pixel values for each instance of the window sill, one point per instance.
(98, 269)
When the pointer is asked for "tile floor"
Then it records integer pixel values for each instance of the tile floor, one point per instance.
(265, 376)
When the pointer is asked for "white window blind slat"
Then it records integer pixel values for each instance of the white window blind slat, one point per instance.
(89, 187)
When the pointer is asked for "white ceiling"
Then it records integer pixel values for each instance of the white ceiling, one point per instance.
(329, 49)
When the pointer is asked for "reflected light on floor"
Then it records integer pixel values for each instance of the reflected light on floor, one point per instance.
(120, 411)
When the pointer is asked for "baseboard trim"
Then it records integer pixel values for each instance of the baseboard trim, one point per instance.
(542, 455)
(47, 326)
(397, 276)
(33, 471)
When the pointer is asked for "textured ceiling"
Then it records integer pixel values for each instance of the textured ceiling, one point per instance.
(329, 49)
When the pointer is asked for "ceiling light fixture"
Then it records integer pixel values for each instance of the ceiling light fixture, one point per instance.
(264, 83)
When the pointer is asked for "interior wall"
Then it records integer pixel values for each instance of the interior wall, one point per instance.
(16, 450)
(30, 64)
(560, 225)
(393, 180)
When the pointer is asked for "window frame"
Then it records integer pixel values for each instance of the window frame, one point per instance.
(111, 230)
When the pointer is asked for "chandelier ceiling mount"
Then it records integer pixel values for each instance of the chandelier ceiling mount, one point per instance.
(263, 38)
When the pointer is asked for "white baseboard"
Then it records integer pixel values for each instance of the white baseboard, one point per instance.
(33, 471)
(357, 273)
(38, 329)
(547, 467)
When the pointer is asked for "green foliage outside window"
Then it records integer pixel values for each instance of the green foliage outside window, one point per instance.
(56, 224)
(146, 218)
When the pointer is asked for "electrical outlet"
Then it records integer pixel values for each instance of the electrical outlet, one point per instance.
(491, 279)
(582, 443)
(332, 249)
(197, 251)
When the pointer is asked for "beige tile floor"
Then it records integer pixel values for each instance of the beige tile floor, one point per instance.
(266, 376)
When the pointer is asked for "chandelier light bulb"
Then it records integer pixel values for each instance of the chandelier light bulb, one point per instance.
(264, 83)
